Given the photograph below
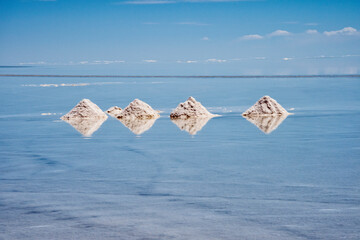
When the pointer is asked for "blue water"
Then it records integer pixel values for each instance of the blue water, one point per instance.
(229, 181)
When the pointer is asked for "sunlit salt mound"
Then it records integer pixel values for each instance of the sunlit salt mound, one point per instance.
(114, 111)
(190, 108)
(86, 126)
(192, 125)
(267, 124)
(138, 109)
(86, 117)
(85, 109)
(265, 106)
(136, 125)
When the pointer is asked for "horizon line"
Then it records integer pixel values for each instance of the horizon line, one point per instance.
(182, 76)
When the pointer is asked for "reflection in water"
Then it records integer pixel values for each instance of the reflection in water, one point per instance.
(267, 124)
(192, 125)
(136, 125)
(86, 126)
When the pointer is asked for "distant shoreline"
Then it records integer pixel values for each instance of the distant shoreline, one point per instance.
(181, 76)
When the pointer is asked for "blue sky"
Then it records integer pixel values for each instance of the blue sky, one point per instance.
(175, 36)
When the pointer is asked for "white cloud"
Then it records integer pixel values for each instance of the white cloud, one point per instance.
(187, 61)
(287, 59)
(279, 33)
(251, 37)
(33, 63)
(248, 58)
(150, 61)
(205, 39)
(312, 31)
(260, 58)
(84, 62)
(344, 31)
(216, 60)
(108, 62)
(327, 56)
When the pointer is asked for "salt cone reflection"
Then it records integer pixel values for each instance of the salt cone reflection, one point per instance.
(136, 125)
(86, 126)
(192, 125)
(267, 124)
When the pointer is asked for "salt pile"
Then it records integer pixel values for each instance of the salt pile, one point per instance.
(191, 125)
(114, 111)
(85, 109)
(265, 106)
(86, 117)
(266, 124)
(136, 125)
(190, 108)
(138, 109)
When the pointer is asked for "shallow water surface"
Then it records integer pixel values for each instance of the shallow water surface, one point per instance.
(225, 178)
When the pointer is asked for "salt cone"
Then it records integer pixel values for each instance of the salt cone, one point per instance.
(265, 106)
(190, 108)
(86, 117)
(85, 109)
(138, 109)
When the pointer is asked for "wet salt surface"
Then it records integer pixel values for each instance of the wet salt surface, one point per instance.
(229, 181)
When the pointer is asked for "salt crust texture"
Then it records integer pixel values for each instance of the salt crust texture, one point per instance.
(138, 109)
(114, 111)
(265, 106)
(190, 108)
(85, 109)
(266, 124)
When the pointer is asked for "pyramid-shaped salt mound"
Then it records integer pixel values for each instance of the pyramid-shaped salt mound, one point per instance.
(264, 107)
(138, 109)
(191, 125)
(85, 109)
(266, 124)
(190, 108)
